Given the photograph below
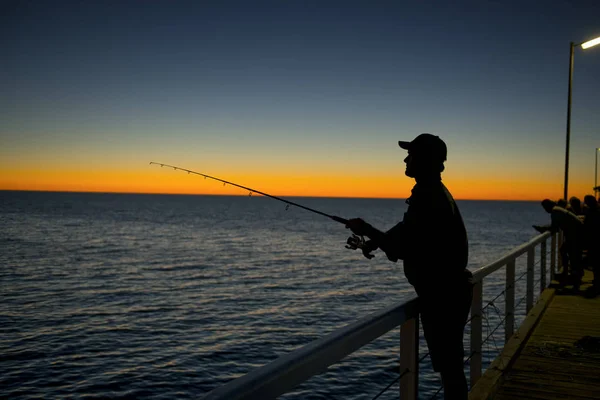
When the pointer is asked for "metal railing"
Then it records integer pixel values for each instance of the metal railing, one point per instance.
(286, 372)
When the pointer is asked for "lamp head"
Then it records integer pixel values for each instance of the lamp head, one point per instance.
(590, 43)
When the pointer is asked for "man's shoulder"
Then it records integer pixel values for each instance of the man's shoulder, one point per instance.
(562, 212)
(433, 199)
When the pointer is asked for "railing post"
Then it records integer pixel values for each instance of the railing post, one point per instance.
(476, 325)
(553, 257)
(509, 307)
(530, 278)
(543, 267)
(409, 356)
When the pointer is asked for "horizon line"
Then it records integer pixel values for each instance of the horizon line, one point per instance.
(237, 195)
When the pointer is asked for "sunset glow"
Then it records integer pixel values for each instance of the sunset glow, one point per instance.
(155, 180)
(295, 100)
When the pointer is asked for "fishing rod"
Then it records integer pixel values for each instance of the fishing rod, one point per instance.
(333, 217)
(354, 242)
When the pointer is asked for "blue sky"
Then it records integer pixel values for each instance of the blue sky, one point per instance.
(296, 85)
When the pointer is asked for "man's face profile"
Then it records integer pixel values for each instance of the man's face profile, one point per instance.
(410, 165)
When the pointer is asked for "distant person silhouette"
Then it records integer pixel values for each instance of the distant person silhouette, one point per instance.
(562, 203)
(432, 241)
(575, 204)
(591, 229)
(572, 227)
(562, 250)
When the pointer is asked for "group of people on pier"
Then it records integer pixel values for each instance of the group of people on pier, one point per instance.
(580, 224)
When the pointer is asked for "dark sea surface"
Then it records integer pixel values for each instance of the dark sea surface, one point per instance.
(164, 296)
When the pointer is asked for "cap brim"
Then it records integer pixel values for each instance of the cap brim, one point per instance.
(404, 145)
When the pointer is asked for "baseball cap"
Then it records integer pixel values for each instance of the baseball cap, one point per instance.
(427, 144)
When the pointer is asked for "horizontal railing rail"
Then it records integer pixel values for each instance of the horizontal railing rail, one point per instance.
(486, 270)
(283, 374)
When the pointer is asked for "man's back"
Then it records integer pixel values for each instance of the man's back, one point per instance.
(435, 238)
(592, 228)
(567, 222)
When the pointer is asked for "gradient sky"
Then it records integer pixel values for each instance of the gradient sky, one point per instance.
(296, 97)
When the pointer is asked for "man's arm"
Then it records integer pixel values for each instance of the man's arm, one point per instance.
(388, 241)
(553, 227)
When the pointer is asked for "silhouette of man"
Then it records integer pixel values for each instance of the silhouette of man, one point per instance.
(591, 227)
(432, 241)
(572, 228)
(562, 203)
(575, 204)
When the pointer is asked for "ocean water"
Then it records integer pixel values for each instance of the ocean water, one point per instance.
(164, 296)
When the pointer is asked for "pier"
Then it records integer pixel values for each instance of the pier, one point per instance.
(546, 354)
(554, 355)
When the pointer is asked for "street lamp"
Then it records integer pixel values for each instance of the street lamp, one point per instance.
(596, 189)
(584, 45)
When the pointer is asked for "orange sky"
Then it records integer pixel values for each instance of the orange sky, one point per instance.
(153, 179)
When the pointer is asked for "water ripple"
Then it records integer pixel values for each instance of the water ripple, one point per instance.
(131, 296)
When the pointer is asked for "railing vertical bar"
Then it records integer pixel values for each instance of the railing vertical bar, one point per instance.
(409, 356)
(476, 332)
(553, 257)
(543, 267)
(509, 308)
(530, 278)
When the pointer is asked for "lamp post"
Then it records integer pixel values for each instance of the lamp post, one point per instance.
(584, 45)
(596, 174)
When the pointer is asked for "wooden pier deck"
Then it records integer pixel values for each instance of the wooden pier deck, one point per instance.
(557, 355)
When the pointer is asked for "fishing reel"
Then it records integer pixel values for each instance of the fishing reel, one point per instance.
(358, 242)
